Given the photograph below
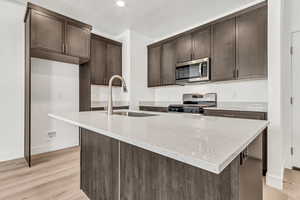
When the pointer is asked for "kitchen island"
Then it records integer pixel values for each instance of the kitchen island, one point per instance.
(168, 156)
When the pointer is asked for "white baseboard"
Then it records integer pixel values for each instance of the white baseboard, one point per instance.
(46, 148)
(275, 181)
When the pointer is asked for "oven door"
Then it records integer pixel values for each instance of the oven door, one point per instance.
(193, 71)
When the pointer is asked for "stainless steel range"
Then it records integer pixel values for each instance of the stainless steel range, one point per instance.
(194, 103)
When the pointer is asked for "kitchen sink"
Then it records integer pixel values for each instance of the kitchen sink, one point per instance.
(133, 114)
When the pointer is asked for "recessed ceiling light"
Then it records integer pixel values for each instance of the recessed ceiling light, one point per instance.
(120, 3)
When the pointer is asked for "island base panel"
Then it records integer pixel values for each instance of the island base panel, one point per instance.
(150, 176)
(115, 170)
(99, 170)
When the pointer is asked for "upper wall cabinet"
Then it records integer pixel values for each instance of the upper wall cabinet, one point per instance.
(251, 44)
(168, 63)
(184, 48)
(77, 40)
(154, 65)
(97, 61)
(223, 58)
(47, 32)
(57, 37)
(161, 64)
(201, 40)
(105, 61)
(236, 45)
(114, 62)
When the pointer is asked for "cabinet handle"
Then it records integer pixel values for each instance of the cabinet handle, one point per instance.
(234, 73)
(237, 73)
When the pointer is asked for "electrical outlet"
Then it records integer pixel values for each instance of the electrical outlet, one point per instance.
(51, 134)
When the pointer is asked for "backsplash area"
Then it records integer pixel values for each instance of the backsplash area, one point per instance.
(237, 91)
(100, 93)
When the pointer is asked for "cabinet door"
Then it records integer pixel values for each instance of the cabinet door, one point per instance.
(168, 64)
(154, 62)
(98, 62)
(47, 32)
(223, 59)
(184, 48)
(201, 43)
(114, 62)
(77, 41)
(252, 44)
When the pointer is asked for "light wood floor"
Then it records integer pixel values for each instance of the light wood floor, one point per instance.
(55, 176)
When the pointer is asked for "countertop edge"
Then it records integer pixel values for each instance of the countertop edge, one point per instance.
(239, 150)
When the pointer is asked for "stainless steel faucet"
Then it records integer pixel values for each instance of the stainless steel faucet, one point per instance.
(110, 99)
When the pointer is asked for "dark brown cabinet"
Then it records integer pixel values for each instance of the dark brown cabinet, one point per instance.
(161, 64)
(47, 32)
(223, 56)
(114, 62)
(236, 45)
(251, 44)
(154, 62)
(77, 41)
(50, 35)
(98, 61)
(105, 61)
(184, 48)
(57, 37)
(99, 171)
(201, 43)
(168, 63)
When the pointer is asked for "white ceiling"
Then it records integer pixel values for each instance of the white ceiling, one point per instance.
(153, 18)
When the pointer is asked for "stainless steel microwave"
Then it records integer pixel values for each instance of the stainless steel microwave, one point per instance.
(193, 71)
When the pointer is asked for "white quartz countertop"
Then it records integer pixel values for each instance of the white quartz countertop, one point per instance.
(209, 143)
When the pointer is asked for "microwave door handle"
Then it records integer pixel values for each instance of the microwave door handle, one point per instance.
(200, 69)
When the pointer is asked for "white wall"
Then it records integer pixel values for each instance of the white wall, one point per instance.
(236, 91)
(291, 24)
(55, 88)
(275, 130)
(139, 90)
(11, 80)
